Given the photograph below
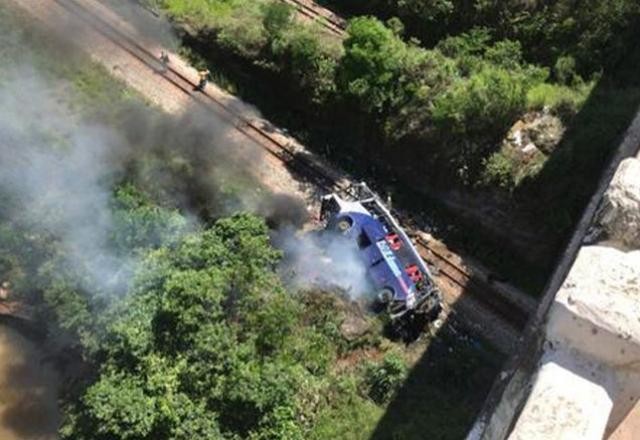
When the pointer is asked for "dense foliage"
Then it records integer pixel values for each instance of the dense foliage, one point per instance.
(205, 342)
(431, 102)
(423, 95)
(584, 36)
(164, 312)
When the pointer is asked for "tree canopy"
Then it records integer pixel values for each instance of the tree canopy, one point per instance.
(200, 345)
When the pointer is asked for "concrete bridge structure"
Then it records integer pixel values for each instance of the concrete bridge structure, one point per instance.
(577, 372)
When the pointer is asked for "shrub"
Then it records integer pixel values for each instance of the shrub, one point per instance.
(306, 59)
(563, 100)
(373, 64)
(277, 17)
(350, 417)
(484, 104)
(499, 170)
(565, 69)
(466, 48)
(138, 223)
(243, 31)
(384, 379)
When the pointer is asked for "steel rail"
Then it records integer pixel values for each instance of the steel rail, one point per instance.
(511, 313)
(332, 24)
(246, 126)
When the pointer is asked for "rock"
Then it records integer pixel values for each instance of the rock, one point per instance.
(515, 134)
(619, 213)
(5, 290)
(530, 149)
(354, 326)
(535, 132)
(545, 132)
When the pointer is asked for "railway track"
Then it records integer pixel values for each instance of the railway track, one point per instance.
(515, 316)
(188, 86)
(511, 312)
(327, 19)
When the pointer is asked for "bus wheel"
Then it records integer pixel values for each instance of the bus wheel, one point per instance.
(343, 225)
(385, 295)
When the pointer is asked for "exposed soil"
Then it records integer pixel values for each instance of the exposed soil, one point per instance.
(28, 390)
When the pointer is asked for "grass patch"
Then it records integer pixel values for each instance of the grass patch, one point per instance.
(93, 88)
(96, 87)
(205, 12)
(351, 418)
(561, 99)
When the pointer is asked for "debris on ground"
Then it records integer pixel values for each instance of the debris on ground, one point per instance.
(537, 132)
(354, 326)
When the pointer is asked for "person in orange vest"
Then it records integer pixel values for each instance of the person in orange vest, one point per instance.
(203, 75)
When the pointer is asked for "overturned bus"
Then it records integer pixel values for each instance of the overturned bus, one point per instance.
(404, 285)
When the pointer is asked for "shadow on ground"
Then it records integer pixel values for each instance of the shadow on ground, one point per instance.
(444, 391)
(561, 190)
(447, 386)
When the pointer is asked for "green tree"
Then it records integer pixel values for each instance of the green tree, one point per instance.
(277, 18)
(204, 345)
(139, 223)
(309, 61)
(564, 69)
(485, 104)
(121, 407)
(384, 379)
(374, 66)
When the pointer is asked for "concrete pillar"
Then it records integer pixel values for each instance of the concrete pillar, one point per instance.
(568, 401)
(589, 374)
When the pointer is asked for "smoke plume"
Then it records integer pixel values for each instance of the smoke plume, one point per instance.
(58, 169)
(283, 211)
(322, 260)
(55, 172)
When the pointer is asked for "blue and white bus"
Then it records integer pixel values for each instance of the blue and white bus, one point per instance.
(404, 284)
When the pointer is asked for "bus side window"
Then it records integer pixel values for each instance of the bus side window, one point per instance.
(363, 240)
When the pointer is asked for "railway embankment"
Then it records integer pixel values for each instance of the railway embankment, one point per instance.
(291, 168)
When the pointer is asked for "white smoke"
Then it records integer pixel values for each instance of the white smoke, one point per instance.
(322, 260)
(57, 172)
